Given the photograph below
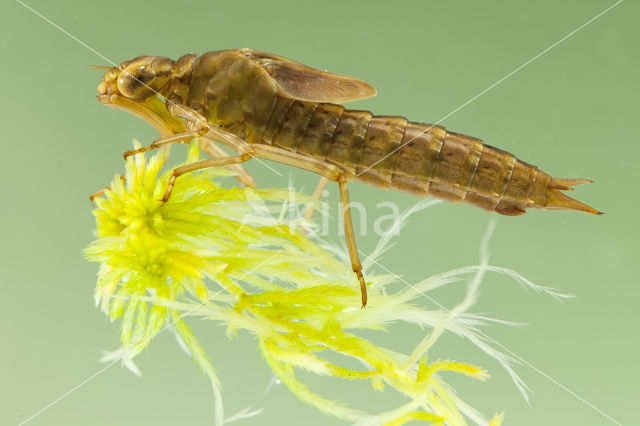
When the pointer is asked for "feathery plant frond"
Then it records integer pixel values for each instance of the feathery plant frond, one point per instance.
(225, 254)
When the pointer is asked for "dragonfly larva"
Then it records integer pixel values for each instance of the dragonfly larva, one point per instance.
(266, 106)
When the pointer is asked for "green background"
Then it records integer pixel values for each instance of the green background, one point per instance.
(573, 112)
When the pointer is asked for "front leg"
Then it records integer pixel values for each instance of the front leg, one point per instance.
(97, 194)
(199, 127)
(183, 137)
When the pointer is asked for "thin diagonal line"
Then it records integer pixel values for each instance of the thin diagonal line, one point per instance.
(551, 379)
(516, 356)
(205, 124)
(66, 32)
(497, 82)
(103, 369)
(64, 395)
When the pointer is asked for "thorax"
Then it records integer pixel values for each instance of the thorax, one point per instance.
(228, 89)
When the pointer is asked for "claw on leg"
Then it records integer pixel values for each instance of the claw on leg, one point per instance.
(351, 239)
(363, 288)
(167, 193)
(97, 194)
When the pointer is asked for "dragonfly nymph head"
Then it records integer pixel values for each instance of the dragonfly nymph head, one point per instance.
(138, 78)
(138, 86)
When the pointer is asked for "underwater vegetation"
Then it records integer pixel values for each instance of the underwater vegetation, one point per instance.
(229, 255)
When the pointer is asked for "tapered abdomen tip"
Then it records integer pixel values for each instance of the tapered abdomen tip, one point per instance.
(559, 200)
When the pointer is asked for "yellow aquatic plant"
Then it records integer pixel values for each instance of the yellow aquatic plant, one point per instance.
(226, 254)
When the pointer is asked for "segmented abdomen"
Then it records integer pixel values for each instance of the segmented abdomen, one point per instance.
(423, 159)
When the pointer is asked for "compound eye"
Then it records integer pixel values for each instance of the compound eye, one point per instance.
(135, 81)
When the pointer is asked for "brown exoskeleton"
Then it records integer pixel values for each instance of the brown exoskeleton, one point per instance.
(265, 106)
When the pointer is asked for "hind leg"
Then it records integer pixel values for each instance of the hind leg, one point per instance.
(330, 172)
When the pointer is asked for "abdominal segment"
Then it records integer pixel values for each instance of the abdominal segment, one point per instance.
(392, 153)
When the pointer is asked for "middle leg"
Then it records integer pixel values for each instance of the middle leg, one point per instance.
(214, 162)
(317, 193)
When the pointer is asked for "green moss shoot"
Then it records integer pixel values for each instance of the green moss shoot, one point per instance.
(221, 254)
